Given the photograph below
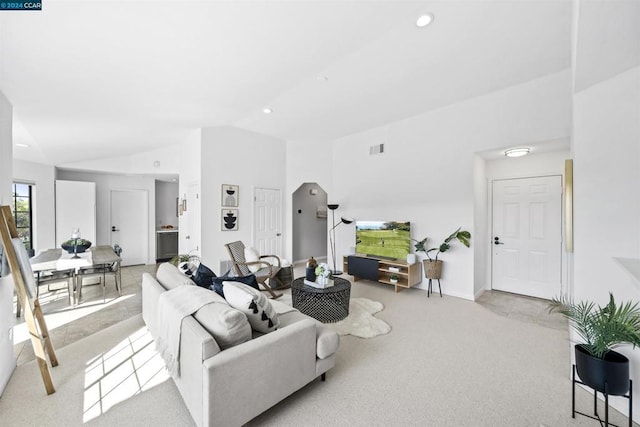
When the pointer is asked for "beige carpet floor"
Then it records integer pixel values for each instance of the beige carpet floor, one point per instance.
(446, 362)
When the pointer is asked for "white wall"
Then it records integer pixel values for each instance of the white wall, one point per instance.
(42, 177)
(481, 228)
(190, 170)
(7, 360)
(307, 161)
(606, 152)
(104, 184)
(167, 158)
(238, 157)
(426, 174)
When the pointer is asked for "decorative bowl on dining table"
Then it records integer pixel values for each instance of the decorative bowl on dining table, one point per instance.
(76, 245)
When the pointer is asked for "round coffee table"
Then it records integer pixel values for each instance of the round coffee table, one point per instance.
(326, 305)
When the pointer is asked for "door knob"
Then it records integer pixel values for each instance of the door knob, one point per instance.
(496, 241)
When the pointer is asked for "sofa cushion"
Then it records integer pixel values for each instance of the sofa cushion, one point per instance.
(327, 340)
(261, 314)
(227, 325)
(170, 277)
(203, 276)
(218, 281)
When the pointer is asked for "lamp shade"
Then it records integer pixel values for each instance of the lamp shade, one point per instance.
(346, 220)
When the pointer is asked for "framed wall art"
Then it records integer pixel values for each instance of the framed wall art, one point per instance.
(229, 219)
(230, 195)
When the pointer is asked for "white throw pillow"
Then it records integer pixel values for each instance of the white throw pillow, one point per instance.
(170, 277)
(227, 325)
(261, 314)
(251, 255)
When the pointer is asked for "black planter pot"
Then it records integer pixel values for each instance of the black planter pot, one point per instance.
(612, 370)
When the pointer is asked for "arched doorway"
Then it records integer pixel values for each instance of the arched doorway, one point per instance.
(309, 222)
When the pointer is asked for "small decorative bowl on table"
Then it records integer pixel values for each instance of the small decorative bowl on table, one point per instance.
(76, 245)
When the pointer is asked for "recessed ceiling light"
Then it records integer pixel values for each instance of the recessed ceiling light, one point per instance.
(22, 145)
(424, 20)
(267, 110)
(517, 152)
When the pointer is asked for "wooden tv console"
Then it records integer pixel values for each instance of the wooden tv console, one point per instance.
(382, 269)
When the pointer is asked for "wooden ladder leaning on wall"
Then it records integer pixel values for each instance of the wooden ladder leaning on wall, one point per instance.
(40, 339)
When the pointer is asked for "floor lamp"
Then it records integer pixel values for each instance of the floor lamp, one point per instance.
(332, 235)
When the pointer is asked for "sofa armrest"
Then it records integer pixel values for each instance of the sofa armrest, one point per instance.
(259, 373)
(196, 345)
(151, 291)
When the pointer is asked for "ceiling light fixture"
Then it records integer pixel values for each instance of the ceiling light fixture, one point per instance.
(517, 152)
(267, 111)
(424, 20)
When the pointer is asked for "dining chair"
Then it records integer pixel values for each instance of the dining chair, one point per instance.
(100, 271)
(57, 276)
(266, 272)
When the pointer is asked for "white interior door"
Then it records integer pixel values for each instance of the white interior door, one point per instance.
(130, 225)
(527, 236)
(268, 221)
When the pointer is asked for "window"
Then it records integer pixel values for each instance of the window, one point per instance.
(22, 209)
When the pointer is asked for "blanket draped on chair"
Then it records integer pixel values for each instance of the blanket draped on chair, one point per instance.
(173, 306)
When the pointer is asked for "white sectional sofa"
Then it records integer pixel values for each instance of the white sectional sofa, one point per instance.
(231, 386)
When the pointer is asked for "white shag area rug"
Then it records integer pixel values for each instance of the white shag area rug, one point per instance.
(360, 322)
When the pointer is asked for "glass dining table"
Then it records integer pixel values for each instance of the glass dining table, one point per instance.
(57, 265)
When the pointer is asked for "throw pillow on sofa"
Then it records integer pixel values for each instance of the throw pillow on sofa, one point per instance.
(226, 325)
(261, 314)
(203, 276)
(170, 277)
(218, 282)
(187, 268)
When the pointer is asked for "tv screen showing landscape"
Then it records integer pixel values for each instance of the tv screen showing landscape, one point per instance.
(388, 239)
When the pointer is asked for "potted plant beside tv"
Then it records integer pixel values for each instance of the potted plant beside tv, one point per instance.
(433, 265)
(602, 328)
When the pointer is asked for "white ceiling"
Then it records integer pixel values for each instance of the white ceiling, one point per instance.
(93, 79)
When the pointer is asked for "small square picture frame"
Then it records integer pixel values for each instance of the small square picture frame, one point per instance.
(230, 195)
(229, 219)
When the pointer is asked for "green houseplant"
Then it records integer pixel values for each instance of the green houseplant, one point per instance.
(433, 265)
(602, 328)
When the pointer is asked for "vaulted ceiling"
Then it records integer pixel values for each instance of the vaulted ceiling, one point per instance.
(93, 79)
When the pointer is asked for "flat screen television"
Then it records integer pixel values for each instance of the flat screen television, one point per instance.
(385, 239)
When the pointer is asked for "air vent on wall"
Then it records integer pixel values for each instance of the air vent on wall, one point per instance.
(376, 149)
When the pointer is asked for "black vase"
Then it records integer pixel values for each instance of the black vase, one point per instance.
(612, 370)
(310, 274)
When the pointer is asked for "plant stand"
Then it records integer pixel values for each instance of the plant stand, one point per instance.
(432, 271)
(430, 290)
(604, 422)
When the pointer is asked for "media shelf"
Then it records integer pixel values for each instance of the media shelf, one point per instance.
(381, 270)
